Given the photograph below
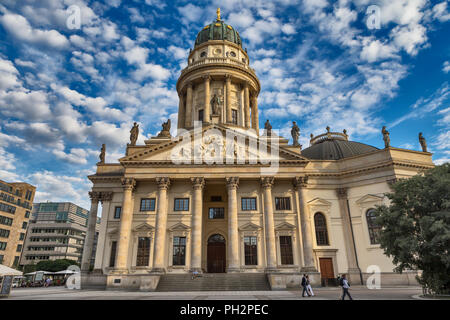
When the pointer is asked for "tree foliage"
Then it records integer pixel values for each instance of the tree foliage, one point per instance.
(55, 265)
(416, 227)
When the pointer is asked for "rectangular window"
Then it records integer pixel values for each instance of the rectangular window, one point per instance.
(234, 117)
(22, 236)
(143, 254)
(117, 212)
(6, 221)
(216, 213)
(4, 233)
(200, 115)
(216, 198)
(179, 251)
(148, 204)
(251, 251)
(3, 245)
(248, 204)
(1, 258)
(19, 248)
(181, 204)
(112, 257)
(27, 214)
(24, 225)
(283, 203)
(286, 250)
(16, 261)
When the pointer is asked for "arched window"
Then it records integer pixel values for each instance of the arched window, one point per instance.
(321, 229)
(374, 228)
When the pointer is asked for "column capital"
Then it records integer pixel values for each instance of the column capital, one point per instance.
(232, 182)
(246, 84)
(300, 182)
(106, 196)
(94, 195)
(227, 77)
(206, 77)
(198, 183)
(267, 182)
(163, 182)
(341, 193)
(128, 183)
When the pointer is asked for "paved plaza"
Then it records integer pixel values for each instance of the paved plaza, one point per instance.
(358, 293)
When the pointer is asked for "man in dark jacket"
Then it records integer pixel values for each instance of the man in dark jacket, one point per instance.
(304, 284)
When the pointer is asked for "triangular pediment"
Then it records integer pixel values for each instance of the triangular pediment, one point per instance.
(144, 227)
(214, 144)
(319, 202)
(179, 227)
(285, 226)
(113, 231)
(249, 227)
(369, 199)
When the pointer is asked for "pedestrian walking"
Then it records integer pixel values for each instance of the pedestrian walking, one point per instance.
(345, 287)
(308, 286)
(304, 285)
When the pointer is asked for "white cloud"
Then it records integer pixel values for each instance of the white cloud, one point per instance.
(411, 38)
(376, 50)
(446, 67)
(21, 29)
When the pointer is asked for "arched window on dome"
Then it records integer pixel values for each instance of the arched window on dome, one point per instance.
(320, 224)
(203, 54)
(374, 228)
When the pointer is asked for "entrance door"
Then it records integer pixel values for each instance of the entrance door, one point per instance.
(216, 254)
(326, 271)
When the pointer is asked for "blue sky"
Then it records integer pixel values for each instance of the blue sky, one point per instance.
(64, 92)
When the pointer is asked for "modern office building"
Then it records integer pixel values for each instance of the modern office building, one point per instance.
(57, 231)
(16, 200)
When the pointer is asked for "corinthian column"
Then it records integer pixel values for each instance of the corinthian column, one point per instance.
(198, 184)
(233, 233)
(228, 98)
(161, 226)
(246, 105)
(353, 269)
(105, 198)
(188, 115)
(266, 184)
(255, 116)
(300, 184)
(181, 112)
(125, 224)
(206, 108)
(90, 233)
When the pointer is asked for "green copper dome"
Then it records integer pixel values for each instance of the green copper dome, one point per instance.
(218, 30)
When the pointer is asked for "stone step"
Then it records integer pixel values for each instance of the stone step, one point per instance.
(214, 282)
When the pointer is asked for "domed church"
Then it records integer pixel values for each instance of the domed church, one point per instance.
(228, 205)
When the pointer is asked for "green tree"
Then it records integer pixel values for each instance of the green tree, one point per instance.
(55, 265)
(416, 227)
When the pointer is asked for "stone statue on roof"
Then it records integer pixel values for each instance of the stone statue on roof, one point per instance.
(423, 142)
(387, 140)
(295, 133)
(134, 134)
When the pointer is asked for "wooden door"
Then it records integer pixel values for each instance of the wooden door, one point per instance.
(326, 271)
(216, 256)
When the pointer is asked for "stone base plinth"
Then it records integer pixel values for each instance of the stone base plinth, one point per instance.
(93, 280)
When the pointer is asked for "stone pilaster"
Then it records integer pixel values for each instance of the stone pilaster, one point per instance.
(228, 98)
(126, 220)
(159, 252)
(188, 115)
(206, 108)
(247, 105)
(198, 183)
(300, 184)
(266, 184)
(350, 249)
(90, 233)
(233, 232)
(105, 198)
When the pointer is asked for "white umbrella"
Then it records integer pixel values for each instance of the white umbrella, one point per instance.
(6, 271)
(33, 273)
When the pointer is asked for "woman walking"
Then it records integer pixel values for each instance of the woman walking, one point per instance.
(308, 286)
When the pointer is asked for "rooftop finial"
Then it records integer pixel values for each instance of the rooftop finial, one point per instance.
(218, 14)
